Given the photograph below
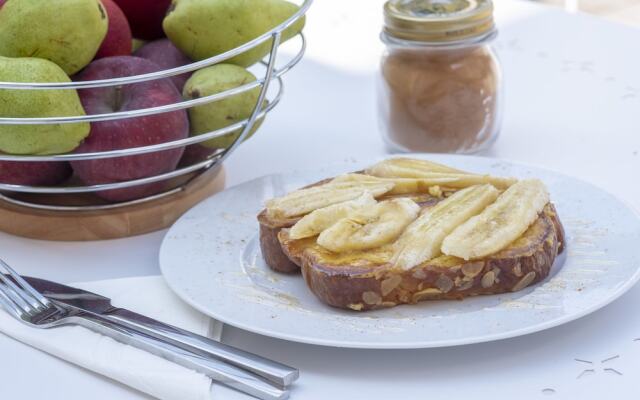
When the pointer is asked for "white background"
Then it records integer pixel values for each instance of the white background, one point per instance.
(573, 105)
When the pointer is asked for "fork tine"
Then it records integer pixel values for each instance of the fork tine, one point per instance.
(9, 305)
(44, 302)
(19, 296)
(15, 298)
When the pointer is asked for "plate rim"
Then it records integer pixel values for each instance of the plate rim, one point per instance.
(616, 294)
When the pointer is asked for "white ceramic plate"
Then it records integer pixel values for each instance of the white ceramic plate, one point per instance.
(211, 259)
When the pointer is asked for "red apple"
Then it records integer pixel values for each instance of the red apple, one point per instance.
(34, 173)
(118, 41)
(167, 56)
(131, 132)
(145, 17)
(2, 2)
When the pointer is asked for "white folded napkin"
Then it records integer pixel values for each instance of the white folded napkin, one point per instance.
(135, 368)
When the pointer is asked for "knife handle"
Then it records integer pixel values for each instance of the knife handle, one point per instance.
(217, 370)
(273, 371)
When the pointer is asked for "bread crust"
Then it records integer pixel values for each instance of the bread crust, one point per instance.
(272, 251)
(365, 283)
(526, 262)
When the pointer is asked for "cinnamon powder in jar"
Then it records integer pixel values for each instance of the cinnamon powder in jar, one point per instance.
(436, 95)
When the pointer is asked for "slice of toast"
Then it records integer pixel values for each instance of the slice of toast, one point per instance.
(368, 279)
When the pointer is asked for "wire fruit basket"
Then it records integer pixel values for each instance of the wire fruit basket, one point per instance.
(54, 212)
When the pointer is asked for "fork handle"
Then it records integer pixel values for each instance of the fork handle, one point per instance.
(273, 371)
(217, 370)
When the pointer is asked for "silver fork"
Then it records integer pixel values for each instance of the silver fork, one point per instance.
(27, 305)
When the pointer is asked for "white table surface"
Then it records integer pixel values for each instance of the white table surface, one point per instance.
(573, 105)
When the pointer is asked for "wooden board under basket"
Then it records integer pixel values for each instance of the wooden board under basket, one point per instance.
(109, 224)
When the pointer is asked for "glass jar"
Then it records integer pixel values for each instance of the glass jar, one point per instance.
(440, 82)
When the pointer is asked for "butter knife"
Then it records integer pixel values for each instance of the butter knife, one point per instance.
(88, 302)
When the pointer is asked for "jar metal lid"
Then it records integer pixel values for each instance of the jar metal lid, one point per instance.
(438, 21)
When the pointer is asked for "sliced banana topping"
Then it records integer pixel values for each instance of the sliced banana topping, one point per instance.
(422, 239)
(304, 201)
(435, 174)
(500, 223)
(389, 167)
(319, 220)
(370, 228)
(400, 185)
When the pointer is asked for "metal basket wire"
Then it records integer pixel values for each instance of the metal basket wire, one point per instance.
(271, 73)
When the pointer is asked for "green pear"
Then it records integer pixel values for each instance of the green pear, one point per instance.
(222, 113)
(136, 44)
(67, 32)
(205, 28)
(38, 139)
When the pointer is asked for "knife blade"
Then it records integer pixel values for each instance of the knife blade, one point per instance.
(83, 300)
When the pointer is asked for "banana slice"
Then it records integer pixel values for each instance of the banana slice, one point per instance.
(388, 167)
(319, 220)
(304, 201)
(400, 185)
(370, 228)
(434, 174)
(422, 239)
(499, 224)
